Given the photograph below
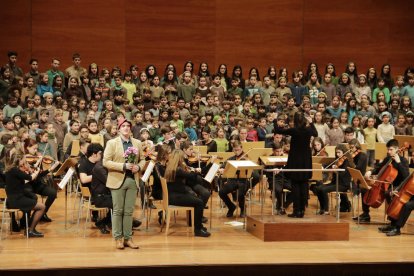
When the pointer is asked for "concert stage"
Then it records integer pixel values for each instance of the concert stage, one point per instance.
(230, 250)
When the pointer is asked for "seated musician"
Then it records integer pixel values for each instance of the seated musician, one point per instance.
(404, 213)
(344, 160)
(17, 172)
(400, 164)
(178, 177)
(42, 185)
(239, 185)
(207, 140)
(318, 149)
(281, 182)
(200, 168)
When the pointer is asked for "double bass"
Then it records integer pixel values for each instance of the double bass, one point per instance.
(375, 196)
(404, 195)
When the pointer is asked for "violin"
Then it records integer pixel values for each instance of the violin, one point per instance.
(201, 158)
(355, 153)
(340, 160)
(33, 159)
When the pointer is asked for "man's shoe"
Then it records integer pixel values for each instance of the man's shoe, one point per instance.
(45, 218)
(119, 244)
(15, 227)
(394, 232)
(102, 227)
(130, 243)
(280, 212)
(386, 229)
(365, 218)
(202, 233)
(35, 234)
(136, 223)
(204, 219)
(230, 212)
(160, 217)
(242, 214)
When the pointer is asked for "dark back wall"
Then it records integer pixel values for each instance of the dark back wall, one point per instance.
(258, 33)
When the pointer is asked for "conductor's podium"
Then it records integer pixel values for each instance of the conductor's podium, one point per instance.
(310, 228)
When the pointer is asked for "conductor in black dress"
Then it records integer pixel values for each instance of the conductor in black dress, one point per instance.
(300, 157)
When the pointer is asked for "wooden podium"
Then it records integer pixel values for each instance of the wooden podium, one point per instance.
(310, 228)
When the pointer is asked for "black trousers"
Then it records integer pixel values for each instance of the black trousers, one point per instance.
(404, 214)
(280, 184)
(189, 200)
(300, 195)
(322, 193)
(104, 201)
(232, 185)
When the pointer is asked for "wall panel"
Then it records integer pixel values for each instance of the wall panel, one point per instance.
(15, 31)
(161, 32)
(260, 33)
(95, 29)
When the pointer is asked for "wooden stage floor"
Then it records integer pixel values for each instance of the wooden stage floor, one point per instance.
(228, 245)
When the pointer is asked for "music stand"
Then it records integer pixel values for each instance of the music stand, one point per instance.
(240, 169)
(69, 163)
(75, 148)
(359, 179)
(209, 178)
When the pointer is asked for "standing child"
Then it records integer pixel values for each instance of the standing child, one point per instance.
(381, 88)
(29, 91)
(409, 89)
(335, 135)
(370, 138)
(186, 90)
(43, 85)
(385, 131)
(129, 85)
(400, 126)
(202, 88)
(344, 85)
(267, 90)
(362, 88)
(297, 89)
(328, 87)
(221, 141)
(156, 90)
(314, 87)
(217, 89)
(321, 126)
(282, 88)
(399, 85)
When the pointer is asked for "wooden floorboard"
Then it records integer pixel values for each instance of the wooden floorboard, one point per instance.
(228, 245)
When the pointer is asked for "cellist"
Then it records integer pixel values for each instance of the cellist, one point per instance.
(399, 163)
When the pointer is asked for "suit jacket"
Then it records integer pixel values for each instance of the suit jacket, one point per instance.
(114, 161)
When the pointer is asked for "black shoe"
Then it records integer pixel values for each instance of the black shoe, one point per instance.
(15, 226)
(204, 220)
(280, 212)
(206, 207)
(230, 212)
(136, 223)
(297, 215)
(95, 218)
(363, 218)
(204, 228)
(102, 227)
(242, 214)
(345, 209)
(386, 229)
(160, 217)
(394, 232)
(201, 233)
(45, 218)
(35, 234)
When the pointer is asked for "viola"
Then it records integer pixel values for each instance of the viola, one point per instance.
(375, 196)
(404, 195)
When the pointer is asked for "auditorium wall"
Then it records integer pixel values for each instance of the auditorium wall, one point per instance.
(259, 33)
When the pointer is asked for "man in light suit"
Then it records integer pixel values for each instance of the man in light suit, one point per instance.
(123, 181)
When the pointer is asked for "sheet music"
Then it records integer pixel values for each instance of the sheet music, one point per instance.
(242, 163)
(277, 159)
(212, 172)
(66, 178)
(148, 171)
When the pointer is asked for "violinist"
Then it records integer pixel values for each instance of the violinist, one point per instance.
(399, 163)
(17, 172)
(344, 160)
(208, 141)
(318, 147)
(43, 184)
(147, 144)
(239, 185)
(198, 165)
(177, 178)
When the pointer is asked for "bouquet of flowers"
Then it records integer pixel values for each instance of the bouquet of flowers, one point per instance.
(130, 155)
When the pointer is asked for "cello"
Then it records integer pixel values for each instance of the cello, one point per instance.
(404, 195)
(375, 196)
